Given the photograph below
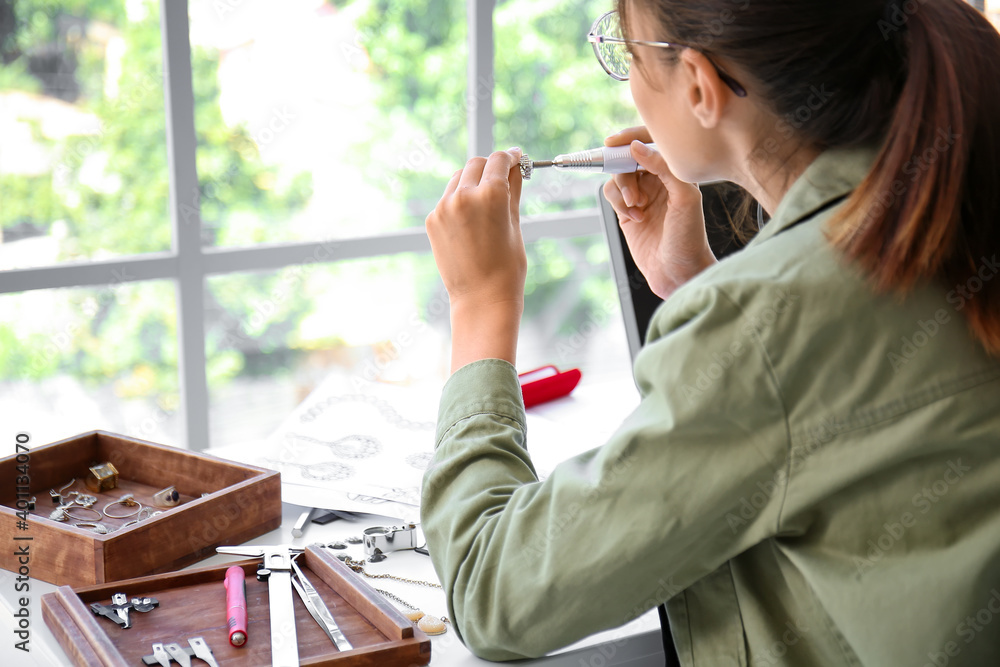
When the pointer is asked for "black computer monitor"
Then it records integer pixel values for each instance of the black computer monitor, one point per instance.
(720, 201)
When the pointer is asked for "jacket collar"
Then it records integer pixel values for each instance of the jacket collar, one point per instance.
(833, 174)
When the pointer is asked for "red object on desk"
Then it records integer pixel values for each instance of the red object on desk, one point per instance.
(547, 383)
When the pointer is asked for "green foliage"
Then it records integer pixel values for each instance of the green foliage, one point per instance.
(110, 190)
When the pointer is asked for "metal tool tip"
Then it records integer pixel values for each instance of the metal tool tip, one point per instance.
(238, 639)
(526, 167)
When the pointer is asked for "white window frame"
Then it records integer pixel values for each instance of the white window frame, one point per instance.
(188, 263)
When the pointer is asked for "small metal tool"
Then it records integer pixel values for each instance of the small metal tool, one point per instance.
(300, 525)
(177, 653)
(118, 610)
(395, 538)
(278, 559)
(318, 609)
(198, 649)
(160, 655)
(332, 515)
(202, 651)
(605, 160)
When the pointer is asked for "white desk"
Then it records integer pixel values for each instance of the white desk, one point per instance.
(636, 644)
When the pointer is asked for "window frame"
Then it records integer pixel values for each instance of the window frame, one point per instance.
(188, 264)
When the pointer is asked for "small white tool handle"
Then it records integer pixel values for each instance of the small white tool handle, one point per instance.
(618, 159)
(607, 160)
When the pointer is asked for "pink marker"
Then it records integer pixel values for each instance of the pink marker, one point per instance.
(236, 605)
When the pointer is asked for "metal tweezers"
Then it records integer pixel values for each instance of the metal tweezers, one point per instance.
(317, 608)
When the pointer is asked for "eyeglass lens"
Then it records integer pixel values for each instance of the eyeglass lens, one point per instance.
(613, 55)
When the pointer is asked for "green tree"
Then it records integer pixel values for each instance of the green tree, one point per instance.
(123, 209)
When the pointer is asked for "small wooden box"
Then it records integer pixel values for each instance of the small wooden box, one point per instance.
(243, 502)
(193, 604)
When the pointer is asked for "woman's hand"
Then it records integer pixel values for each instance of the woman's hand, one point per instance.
(475, 235)
(661, 217)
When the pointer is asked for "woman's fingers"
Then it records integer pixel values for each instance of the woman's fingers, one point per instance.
(628, 135)
(625, 212)
(472, 173)
(514, 178)
(629, 186)
(452, 184)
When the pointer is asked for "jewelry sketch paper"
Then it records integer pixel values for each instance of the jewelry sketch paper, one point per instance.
(367, 449)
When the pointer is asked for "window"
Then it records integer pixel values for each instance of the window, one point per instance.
(185, 256)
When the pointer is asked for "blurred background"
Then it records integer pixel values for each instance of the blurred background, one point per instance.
(317, 122)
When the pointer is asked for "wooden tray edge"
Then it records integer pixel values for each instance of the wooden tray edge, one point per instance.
(83, 641)
(62, 625)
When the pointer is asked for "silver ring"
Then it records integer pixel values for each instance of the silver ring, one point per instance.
(69, 512)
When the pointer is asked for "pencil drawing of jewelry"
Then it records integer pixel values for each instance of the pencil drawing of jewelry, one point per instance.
(420, 460)
(409, 495)
(327, 471)
(366, 446)
(389, 413)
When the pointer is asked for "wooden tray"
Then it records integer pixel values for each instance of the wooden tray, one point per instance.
(193, 604)
(243, 502)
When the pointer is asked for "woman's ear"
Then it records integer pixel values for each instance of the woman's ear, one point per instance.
(706, 93)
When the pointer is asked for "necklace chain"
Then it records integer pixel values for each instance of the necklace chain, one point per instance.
(358, 566)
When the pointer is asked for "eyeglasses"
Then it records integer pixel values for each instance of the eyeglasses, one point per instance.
(611, 49)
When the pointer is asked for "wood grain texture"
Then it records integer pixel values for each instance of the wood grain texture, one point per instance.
(85, 620)
(69, 636)
(358, 593)
(192, 604)
(243, 502)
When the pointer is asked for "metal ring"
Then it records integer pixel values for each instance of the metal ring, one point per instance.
(69, 512)
(121, 516)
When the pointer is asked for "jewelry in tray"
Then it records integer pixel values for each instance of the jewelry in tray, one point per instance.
(78, 507)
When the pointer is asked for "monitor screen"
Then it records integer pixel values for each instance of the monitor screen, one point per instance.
(720, 201)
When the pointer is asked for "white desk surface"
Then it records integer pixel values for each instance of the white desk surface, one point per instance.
(636, 644)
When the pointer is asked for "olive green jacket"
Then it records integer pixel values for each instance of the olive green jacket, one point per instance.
(812, 476)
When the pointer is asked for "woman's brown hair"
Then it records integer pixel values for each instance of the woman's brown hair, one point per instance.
(919, 78)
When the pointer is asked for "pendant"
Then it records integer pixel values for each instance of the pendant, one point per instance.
(431, 626)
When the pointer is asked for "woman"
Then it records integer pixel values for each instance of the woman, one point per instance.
(828, 494)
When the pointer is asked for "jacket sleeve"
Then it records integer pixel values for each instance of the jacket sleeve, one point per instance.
(694, 476)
